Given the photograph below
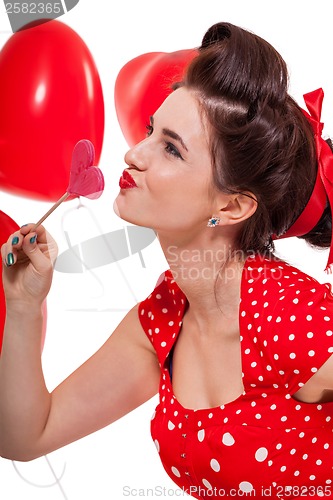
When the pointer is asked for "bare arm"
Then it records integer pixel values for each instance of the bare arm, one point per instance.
(121, 375)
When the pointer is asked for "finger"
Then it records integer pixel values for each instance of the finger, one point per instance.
(10, 248)
(26, 228)
(31, 248)
(6, 255)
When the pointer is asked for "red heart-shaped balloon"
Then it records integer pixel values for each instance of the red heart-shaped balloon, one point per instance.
(50, 97)
(143, 84)
(85, 179)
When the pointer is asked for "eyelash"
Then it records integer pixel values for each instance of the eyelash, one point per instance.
(169, 147)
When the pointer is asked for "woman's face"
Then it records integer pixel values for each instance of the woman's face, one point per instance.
(172, 169)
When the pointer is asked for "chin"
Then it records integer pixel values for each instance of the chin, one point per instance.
(125, 213)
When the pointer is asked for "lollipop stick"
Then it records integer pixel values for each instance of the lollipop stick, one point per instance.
(57, 203)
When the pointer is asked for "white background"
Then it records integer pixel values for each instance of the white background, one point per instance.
(101, 465)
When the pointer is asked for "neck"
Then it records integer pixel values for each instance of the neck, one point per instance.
(208, 271)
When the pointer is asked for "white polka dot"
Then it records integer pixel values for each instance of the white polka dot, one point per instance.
(157, 444)
(164, 310)
(163, 344)
(276, 338)
(199, 423)
(318, 462)
(228, 439)
(296, 473)
(171, 425)
(253, 364)
(245, 486)
(171, 323)
(329, 333)
(279, 446)
(291, 336)
(261, 454)
(326, 446)
(292, 318)
(207, 484)
(311, 353)
(305, 456)
(273, 407)
(175, 471)
(309, 335)
(258, 416)
(293, 451)
(283, 468)
(201, 435)
(215, 465)
(292, 355)
(327, 318)
(309, 317)
(312, 477)
(283, 419)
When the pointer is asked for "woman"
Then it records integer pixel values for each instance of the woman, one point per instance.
(237, 342)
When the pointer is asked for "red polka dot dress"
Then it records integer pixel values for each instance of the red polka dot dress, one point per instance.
(264, 443)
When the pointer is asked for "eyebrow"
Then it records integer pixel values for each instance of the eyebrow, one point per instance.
(170, 133)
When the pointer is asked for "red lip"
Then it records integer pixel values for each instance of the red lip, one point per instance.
(126, 181)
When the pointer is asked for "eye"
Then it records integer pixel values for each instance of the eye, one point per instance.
(149, 130)
(172, 150)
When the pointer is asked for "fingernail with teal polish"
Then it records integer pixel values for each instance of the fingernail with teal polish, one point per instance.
(15, 240)
(10, 259)
(33, 239)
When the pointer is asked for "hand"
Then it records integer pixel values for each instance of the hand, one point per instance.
(28, 259)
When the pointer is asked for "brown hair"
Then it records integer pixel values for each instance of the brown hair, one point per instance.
(261, 142)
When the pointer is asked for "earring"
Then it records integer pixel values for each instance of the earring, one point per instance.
(213, 222)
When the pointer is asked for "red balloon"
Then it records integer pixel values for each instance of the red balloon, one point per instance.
(50, 98)
(142, 85)
(7, 227)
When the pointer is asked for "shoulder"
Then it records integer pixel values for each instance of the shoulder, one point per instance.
(276, 286)
(292, 315)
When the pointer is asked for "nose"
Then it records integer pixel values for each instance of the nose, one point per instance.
(135, 157)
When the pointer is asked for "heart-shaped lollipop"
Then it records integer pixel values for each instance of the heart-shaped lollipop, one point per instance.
(85, 179)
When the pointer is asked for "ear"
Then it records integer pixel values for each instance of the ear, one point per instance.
(239, 208)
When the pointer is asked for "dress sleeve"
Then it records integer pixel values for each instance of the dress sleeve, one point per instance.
(301, 333)
(161, 313)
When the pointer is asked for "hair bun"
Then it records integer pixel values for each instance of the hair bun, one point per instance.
(215, 34)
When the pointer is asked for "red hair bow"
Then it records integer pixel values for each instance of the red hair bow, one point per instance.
(323, 187)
